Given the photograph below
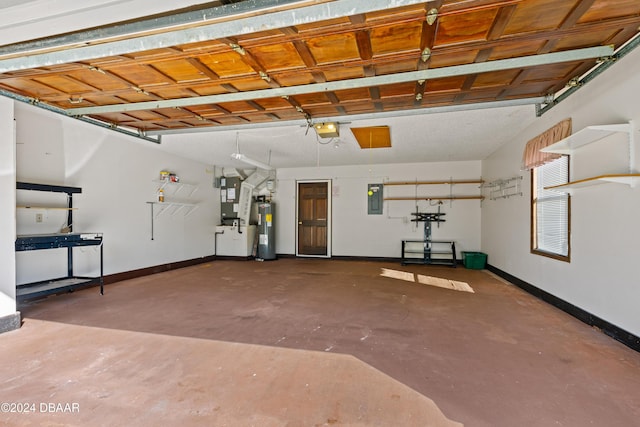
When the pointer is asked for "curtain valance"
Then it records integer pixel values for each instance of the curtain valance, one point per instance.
(533, 157)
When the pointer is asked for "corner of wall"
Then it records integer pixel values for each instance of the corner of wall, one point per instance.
(7, 216)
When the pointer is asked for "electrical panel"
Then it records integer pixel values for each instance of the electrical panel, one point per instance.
(374, 199)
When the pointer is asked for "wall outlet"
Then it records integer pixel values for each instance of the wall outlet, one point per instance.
(38, 217)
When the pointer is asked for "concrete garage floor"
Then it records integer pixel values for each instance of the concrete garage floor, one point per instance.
(310, 342)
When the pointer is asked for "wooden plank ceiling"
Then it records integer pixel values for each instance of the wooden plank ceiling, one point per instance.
(354, 47)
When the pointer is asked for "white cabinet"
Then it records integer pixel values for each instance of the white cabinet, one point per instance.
(233, 240)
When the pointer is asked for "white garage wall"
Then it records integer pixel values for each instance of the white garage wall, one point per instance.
(355, 233)
(605, 245)
(7, 210)
(116, 175)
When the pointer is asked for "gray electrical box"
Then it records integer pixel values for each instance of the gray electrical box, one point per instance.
(229, 199)
(374, 199)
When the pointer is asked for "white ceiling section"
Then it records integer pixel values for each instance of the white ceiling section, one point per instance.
(416, 137)
(454, 136)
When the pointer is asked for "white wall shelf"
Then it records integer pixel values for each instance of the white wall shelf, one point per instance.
(589, 135)
(169, 203)
(628, 179)
(173, 188)
(584, 137)
(172, 204)
(173, 207)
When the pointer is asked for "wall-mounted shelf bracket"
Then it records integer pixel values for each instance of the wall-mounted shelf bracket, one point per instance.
(173, 188)
(504, 188)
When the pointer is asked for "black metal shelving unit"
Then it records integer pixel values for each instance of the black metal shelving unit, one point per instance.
(428, 251)
(68, 240)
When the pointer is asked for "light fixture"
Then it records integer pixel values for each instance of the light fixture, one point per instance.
(249, 161)
(327, 130)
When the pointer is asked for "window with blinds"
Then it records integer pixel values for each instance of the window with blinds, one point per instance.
(550, 210)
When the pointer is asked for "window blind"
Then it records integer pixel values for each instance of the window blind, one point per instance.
(552, 208)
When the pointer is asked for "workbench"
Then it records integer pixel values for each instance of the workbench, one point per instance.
(36, 242)
(68, 240)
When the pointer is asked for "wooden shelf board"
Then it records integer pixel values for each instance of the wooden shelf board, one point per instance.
(462, 181)
(628, 179)
(49, 208)
(437, 198)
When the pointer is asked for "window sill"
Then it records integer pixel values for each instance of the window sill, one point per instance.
(565, 258)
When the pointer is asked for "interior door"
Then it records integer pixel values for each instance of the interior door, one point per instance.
(313, 210)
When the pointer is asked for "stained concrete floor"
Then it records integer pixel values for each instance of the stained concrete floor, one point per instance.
(309, 342)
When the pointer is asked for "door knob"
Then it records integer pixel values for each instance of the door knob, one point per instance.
(299, 222)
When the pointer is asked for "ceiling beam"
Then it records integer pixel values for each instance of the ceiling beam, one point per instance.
(457, 70)
(228, 28)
